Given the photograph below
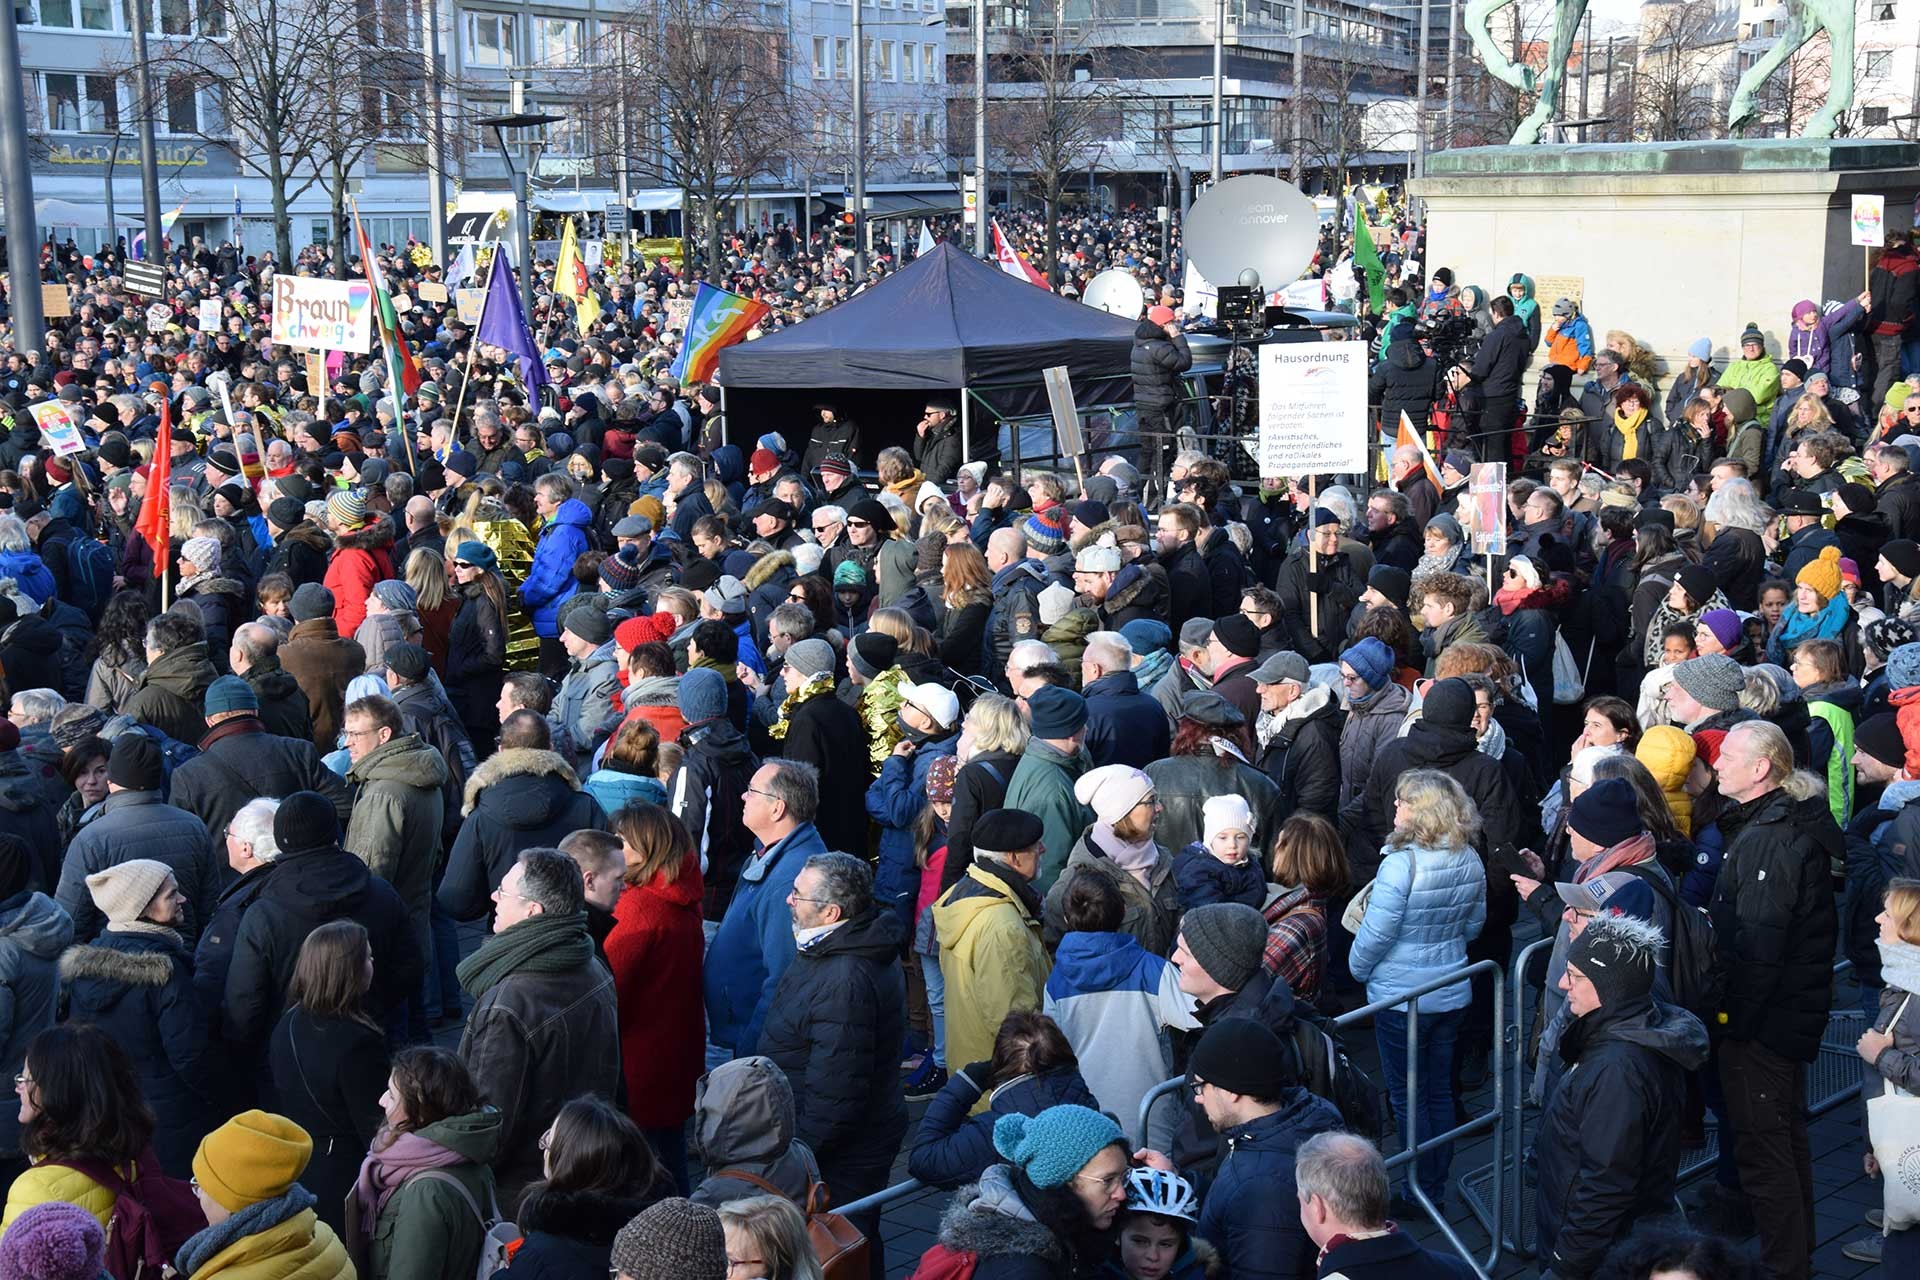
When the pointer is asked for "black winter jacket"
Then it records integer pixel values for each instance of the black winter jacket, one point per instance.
(707, 794)
(1899, 502)
(1337, 586)
(519, 799)
(1191, 586)
(1124, 725)
(328, 1075)
(283, 704)
(1456, 753)
(828, 734)
(1158, 362)
(476, 659)
(1303, 759)
(1774, 923)
(1500, 363)
(1609, 1143)
(937, 453)
(1266, 999)
(569, 1234)
(239, 762)
(1738, 560)
(980, 787)
(1405, 382)
(954, 1146)
(835, 1025)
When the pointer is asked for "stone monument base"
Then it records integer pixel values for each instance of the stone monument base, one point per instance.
(1670, 241)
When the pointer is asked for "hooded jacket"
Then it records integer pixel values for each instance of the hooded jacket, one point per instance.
(1455, 752)
(395, 828)
(323, 664)
(1251, 1211)
(1043, 785)
(585, 703)
(550, 580)
(1115, 1001)
(239, 762)
(1406, 381)
(521, 798)
(707, 795)
(835, 1026)
(34, 930)
(301, 554)
(954, 1142)
(570, 1234)
(1158, 362)
(743, 1120)
(26, 815)
(173, 693)
(283, 707)
(1608, 1145)
(990, 955)
(360, 559)
(427, 1228)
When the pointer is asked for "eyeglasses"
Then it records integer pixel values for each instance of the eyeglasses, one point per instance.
(1197, 1085)
(461, 564)
(818, 902)
(23, 1081)
(1108, 1183)
(855, 523)
(755, 791)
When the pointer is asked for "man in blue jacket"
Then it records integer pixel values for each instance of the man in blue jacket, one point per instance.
(754, 944)
(1251, 1212)
(550, 581)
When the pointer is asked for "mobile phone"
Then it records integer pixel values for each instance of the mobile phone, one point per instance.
(1507, 858)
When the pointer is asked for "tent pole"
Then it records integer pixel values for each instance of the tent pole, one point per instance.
(966, 425)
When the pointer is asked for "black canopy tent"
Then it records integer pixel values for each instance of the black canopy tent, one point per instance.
(944, 322)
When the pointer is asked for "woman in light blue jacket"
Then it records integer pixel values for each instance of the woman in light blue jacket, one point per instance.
(1428, 900)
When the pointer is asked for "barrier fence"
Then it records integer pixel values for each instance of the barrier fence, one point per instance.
(1500, 1195)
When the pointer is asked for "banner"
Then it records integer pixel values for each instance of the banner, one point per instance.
(1313, 408)
(1487, 482)
(323, 315)
(55, 301)
(57, 427)
(433, 291)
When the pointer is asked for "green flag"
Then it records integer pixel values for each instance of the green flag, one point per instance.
(1367, 258)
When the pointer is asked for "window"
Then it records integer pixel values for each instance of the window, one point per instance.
(822, 129)
(822, 58)
(560, 40)
(175, 17)
(1883, 13)
(869, 57)
(889, 68)
(54, 13)
(907, 129)
(842, 58)
(490, 41)
(320, 231)
(930, 63)
(81, 104)
(909, 65)
(1874, 64)
(1874, 117)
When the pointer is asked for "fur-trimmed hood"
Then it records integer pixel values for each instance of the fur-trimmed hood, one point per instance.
(308, 534)
(988, 1219)
(151, 967)
(1093, 535)
(516, 762)
(587, 1216)
(373, 536)
(765, 568)
(212, 585)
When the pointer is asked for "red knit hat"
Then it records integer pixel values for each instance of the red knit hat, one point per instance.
(634, 632)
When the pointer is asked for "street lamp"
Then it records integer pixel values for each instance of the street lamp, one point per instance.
(518, 172)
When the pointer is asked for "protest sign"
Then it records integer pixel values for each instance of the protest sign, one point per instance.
(466, 304)
(1313, 408)
(58, 428)
(1066, 416)
(55, 301)
(1487, 482)
(1869, 221)
(322, 315)
(159, 316)
(433, 291)
(209, 314)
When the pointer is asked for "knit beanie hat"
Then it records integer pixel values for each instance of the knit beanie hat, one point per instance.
(1237, 635)
(1606, 813)
(1147, 634)
(672, 1239)
(702, 696)
(396, 596)
(133, 763)
(1056, 1144)
(622, 571)
(1713, 680)
(310, 601)
(940, 776)
(1797, 367)
(476, 553)
(54, 1241)
(1371, 660)
(849, 573)
(1903, 667)
(1698, 582)
(408, 661)
(1227, 940)
(1044, 535)
(1056, 712)
(1112, 790)
(122, 891)
(1860, 500)
(348, 507)
(810, 657)
(1752, 334)
(203, 552)
(1618, 954)
(1822, 573)
(1449, 703)
(872, 652)
(76, 722)
(284, 513)
(305, 820)
(590, 624)
(1701, 349)
(1884, 634)
(230, 693)
(1056, 602)
(1225, 813)
(1584, 760)
(1725, 625)
(253, 1157)
(1879, 736)
(1242, 1055)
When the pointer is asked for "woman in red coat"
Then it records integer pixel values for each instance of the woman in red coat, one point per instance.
(655, 949)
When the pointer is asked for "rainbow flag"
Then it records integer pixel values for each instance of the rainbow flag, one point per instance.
(137, 247)
(718, 319)
(401, 366)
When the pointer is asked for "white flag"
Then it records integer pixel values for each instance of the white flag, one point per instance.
(926, 241)
(462, 267)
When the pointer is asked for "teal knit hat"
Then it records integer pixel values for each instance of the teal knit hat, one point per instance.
(1056, 1144)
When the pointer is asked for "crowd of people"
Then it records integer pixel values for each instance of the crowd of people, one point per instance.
(728, 787)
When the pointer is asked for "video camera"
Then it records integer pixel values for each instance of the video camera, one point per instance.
(1449, 339)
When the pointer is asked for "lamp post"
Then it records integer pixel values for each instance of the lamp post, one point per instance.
(436, 162)
(149, 164)
(1219, 78)
(23, 237)
(522, 213)
(980, 128)
(859, 184)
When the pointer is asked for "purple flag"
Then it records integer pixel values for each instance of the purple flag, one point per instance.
(502, 324)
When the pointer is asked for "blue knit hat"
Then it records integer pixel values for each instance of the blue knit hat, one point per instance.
(1056, 1144)
(1147, 634)
(230, 693)
(1903, 667)
(1371, 660)
(1701, 349)
(1055, 712)
(703, 695)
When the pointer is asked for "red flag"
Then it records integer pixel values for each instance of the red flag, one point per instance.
(1012, 262)
(156, 521)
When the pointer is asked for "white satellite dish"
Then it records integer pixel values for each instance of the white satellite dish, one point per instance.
(1252, 221)
(1117, 293)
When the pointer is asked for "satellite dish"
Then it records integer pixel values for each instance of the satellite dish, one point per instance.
(1117, 293)
(1253, 221)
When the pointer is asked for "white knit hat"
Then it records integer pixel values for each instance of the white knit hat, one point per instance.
(1225, 813)
(122, 891)
(1112, 790)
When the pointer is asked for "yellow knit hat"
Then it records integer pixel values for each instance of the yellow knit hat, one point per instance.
(1823, 574)
(253, 1157)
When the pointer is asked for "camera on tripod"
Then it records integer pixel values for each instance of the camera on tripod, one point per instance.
(1243, 309)
(1450, 339)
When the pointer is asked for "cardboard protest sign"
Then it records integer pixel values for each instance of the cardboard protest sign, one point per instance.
(54, 301)
(322, 315)
(433, 291)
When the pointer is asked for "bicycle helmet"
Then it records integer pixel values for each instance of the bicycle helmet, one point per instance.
(1167, 1194)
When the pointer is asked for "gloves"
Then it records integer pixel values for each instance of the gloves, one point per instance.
(977, 1074)
(1317, 581)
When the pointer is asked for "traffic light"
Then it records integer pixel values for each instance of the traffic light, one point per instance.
(843, 230)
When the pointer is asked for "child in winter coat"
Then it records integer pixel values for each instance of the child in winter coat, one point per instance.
(1156, 1240)
(928, 1075)
(1220, 867)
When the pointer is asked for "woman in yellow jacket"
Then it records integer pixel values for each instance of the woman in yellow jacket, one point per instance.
(260, 1220)
(89, 1132)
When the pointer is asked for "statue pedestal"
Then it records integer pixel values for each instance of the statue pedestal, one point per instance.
(1668, 241)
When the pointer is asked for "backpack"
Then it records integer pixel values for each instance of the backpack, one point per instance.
(89, 574)
(1569, 681)
(1690, 950)
(942, 1263)
(151, 1218)
(497, 1236)
(1327, 1071)
(838, 1246)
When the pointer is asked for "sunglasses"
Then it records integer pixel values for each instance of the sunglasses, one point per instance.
(859, 524)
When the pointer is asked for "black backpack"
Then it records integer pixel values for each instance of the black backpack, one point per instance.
(1689, 950)
(1327, 1071)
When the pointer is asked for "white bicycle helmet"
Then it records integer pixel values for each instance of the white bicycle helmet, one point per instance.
(1167, 1194)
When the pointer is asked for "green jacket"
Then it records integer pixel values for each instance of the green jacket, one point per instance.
(427, 1232)
(397, 812)
(1042, 785)
(1761, 377)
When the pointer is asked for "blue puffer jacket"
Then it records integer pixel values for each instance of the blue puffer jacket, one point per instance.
(1427, 904)
(32, 576)
(1251, 1212)
(550, 579)
(953, 1147)
(894, 800)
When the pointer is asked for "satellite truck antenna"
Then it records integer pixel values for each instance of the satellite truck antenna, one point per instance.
(1253, 223)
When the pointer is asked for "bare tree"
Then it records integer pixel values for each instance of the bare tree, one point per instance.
(696, 94)
(1334, 101)
(1684, 47)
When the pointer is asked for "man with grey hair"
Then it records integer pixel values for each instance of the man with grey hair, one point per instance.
(1341, 1180)
(836, 1021)
(254, 656)
(1023, 660)
(251, 853)
(1124, 725)
(829, 523)
(545, 1027)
